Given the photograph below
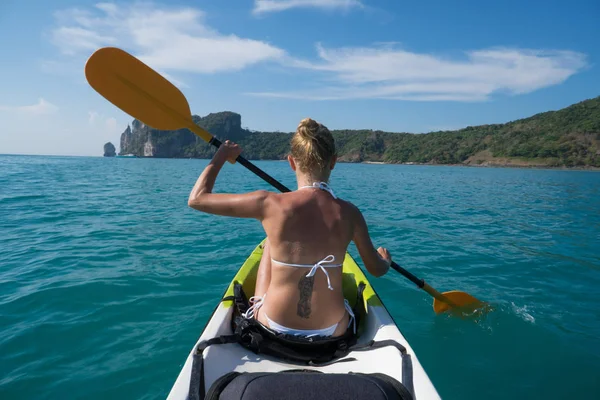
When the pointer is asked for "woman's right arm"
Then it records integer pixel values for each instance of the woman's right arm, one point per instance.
(377, 261)
(243, 205)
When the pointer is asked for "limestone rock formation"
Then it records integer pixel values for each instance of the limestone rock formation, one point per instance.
(145, 141)
(109, 150)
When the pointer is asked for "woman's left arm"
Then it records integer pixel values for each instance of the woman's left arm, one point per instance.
(245, 205)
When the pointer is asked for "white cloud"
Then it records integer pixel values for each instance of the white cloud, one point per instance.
(106, 125)
(72, 40)
(166, 38)
(174, 40)
(111, 124)
(93, 115)
(267, 6)
(390, 73)
(42, 107)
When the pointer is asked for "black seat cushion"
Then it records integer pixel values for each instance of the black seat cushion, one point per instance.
(306, 385)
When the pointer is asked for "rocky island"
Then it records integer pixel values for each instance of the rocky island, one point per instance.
(109, 150)
(565, 138)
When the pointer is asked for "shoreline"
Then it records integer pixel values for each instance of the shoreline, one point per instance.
(486, 165)
(515, 166)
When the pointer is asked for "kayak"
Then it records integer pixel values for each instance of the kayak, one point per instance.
(377, 325)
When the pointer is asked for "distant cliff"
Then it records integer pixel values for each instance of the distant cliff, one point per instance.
(568, 137)
(144, 141)
(109, 150)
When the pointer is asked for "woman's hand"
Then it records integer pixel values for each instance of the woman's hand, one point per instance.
(228, 151)
(385, 255)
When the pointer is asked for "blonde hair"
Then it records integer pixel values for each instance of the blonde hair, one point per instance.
(312, 146)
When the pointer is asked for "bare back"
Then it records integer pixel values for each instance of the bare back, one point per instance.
(304, 227)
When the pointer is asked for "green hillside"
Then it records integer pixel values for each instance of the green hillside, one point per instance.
(569, 137)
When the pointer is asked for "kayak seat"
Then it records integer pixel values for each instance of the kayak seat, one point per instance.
(306, 385)
(314, 351)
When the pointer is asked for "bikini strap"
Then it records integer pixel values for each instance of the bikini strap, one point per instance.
(330, 258)
(257, 302)
(352, 319)
(314, 267)
(322, 186)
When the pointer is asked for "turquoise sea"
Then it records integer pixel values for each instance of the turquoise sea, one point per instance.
(107, 277)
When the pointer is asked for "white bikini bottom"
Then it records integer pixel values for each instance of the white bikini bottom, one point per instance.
(258, 301)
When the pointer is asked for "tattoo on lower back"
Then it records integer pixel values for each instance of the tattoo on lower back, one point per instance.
(305, 286)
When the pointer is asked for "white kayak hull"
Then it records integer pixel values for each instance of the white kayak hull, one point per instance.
(379, 325)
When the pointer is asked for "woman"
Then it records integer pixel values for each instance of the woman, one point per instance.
(299, 283)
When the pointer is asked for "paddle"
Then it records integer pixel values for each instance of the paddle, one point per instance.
(441, 301)
(144, 94)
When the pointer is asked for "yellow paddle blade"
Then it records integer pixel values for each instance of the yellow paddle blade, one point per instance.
(139, 91)
(460, 299)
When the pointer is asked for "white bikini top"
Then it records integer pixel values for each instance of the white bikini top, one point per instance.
(320, 185)
(324, 263)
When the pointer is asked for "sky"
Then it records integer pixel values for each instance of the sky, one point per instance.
(392, 65)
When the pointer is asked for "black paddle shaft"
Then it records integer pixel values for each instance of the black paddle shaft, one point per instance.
(419, 282)
(259, 172)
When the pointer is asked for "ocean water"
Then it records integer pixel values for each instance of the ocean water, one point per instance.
(107, 277)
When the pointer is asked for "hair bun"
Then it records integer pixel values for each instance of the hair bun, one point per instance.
(309, 128)
(312, 145)
(308, 123)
